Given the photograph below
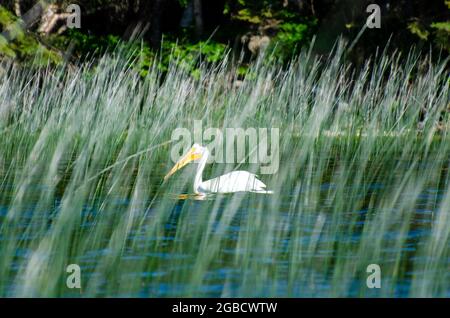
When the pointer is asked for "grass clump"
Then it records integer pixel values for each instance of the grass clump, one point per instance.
(363, 179)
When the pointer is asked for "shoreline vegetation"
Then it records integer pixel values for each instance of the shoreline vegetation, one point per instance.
(193, 29)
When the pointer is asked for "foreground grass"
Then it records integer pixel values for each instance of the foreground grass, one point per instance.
(83, 152)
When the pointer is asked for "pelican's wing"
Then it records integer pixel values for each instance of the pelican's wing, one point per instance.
(235, 181)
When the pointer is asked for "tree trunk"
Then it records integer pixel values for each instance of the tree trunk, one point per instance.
(198, 15)
(50, 18)
(156, 27)
(313, 10)
(17, 8)
(188, 16)
(138, 18)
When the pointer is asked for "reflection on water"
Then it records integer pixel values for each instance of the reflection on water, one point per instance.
(200, 197)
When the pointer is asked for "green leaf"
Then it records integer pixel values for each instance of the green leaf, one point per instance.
(442, 26)
(419, 30)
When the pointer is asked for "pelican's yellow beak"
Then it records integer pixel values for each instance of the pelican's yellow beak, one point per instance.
(187, 158)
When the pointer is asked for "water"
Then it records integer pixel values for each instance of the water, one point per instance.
(205, 249)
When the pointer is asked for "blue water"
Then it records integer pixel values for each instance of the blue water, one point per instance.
(168, 265)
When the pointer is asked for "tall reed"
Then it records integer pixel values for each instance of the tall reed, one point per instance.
(363, 179)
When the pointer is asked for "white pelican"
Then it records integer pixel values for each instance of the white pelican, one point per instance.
(236, 181)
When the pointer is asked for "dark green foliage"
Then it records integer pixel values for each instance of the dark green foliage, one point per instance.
(188, 55)
(23, 46)
(172, 26)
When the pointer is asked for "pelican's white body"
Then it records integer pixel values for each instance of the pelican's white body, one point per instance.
(236, 181)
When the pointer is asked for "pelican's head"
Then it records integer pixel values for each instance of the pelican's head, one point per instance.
(195, 153)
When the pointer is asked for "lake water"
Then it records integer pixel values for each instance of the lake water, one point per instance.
(186, 247)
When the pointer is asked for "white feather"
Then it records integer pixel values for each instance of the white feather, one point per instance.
(236, 181)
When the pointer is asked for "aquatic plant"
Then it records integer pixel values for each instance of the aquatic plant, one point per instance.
(363, 179)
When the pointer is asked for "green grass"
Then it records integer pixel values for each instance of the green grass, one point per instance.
(83, 151)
